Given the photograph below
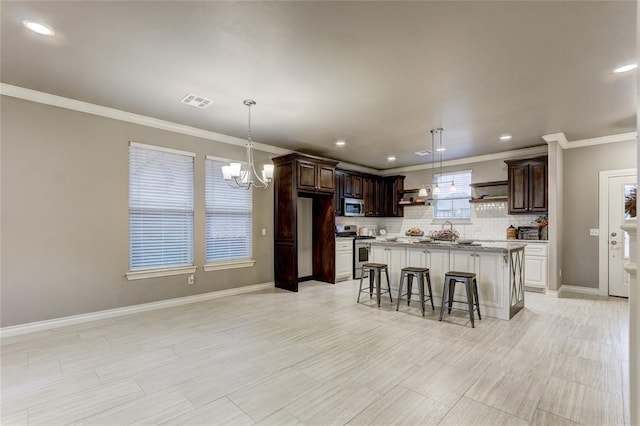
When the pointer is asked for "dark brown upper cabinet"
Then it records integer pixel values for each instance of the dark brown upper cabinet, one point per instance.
(315, 176)
(339, 193)
(528, 185)
(353, 186)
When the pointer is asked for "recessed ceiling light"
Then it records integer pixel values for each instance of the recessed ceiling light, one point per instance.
(441, 149)
(423, 153)
(505, 137)
(625, 68)
(39, 28)
(391, 158)
(341, 143)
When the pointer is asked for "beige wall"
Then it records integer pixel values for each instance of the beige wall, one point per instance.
(485, 171)
(65, 215)
(580, 203)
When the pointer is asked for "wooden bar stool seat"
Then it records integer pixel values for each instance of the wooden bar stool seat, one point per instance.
(471, 287)
(423, 276)
(375, 278)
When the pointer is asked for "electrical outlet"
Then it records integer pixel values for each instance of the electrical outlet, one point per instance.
(594, 232)
(191, 279)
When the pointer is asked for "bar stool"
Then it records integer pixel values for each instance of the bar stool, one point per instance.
(471, 287)
(422, 274)
(375, 276)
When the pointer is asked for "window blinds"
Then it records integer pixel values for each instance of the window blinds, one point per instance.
(229, 224)
(160, 207)
(456, 205)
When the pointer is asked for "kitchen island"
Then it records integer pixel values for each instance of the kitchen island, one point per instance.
(499, 269)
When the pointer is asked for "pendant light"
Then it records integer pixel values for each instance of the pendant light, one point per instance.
(244, 176)
(452, 188)
(436, 189)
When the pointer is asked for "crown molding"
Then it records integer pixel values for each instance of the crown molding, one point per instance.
(620, 137)
(505, 155)
(116, 114)
(561, 139)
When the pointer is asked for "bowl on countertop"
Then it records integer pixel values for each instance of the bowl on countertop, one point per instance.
(391, 238)
(463, 241)
(425, 240)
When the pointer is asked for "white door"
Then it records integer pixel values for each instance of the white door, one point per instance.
(618, 247)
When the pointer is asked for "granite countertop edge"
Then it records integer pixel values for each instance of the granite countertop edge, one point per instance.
(503, 248)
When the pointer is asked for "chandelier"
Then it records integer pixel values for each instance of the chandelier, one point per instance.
(244, 175)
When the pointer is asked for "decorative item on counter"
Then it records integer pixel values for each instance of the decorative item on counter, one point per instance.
(542, 221)
(414, 232)
(630, 202)
(445, 235)
(511, 233)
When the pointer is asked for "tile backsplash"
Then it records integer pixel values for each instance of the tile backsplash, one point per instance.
(488, 221)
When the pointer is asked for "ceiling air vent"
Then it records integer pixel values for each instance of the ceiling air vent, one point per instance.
(196, 101)
(423, 153)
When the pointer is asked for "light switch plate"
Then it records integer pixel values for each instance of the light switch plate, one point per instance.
(264, 231)
(594, 232)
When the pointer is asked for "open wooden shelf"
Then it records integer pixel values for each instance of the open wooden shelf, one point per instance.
(486, 184)
(490, 200)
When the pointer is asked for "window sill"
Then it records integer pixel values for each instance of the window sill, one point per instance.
(454, 221)
(230, 264)
(160, 272)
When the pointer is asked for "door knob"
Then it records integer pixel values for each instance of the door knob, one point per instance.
(613, 234)
(614, 242)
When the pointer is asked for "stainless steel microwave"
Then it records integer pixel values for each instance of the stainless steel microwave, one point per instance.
(353, 207)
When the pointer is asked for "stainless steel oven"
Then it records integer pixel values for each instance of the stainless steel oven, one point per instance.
(361, 255)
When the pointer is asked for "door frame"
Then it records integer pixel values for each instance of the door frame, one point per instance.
(603, 225)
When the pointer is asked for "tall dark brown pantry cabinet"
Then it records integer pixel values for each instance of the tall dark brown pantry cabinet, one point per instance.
(296, 176)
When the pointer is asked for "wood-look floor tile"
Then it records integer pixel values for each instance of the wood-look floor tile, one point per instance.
(221, 412)
(600, 375)
(283, 357)
(14, 418)
(542, 418)
(274, 351)
(516, 395)
(470, 412)
(74, 408)
(401, 406)
(581, 403)
(208, 388)
(267, 396)
(280, 418)
(441, 382)
(145, 410)
(330, 364)
(381, 372)
(129, 365)
(332, 403)
(175, 372)
(21, 398)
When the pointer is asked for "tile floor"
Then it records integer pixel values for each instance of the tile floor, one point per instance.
(318, 358)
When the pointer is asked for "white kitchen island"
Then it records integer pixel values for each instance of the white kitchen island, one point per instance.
(499, 269)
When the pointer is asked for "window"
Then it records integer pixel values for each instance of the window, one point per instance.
(229, 217)
(456, 205)
(160, 209)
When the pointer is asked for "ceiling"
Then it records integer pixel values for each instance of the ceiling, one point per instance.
(378, 75)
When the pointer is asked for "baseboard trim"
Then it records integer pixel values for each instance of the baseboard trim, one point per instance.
(553, 293)
(32, 327)
(578, 289)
